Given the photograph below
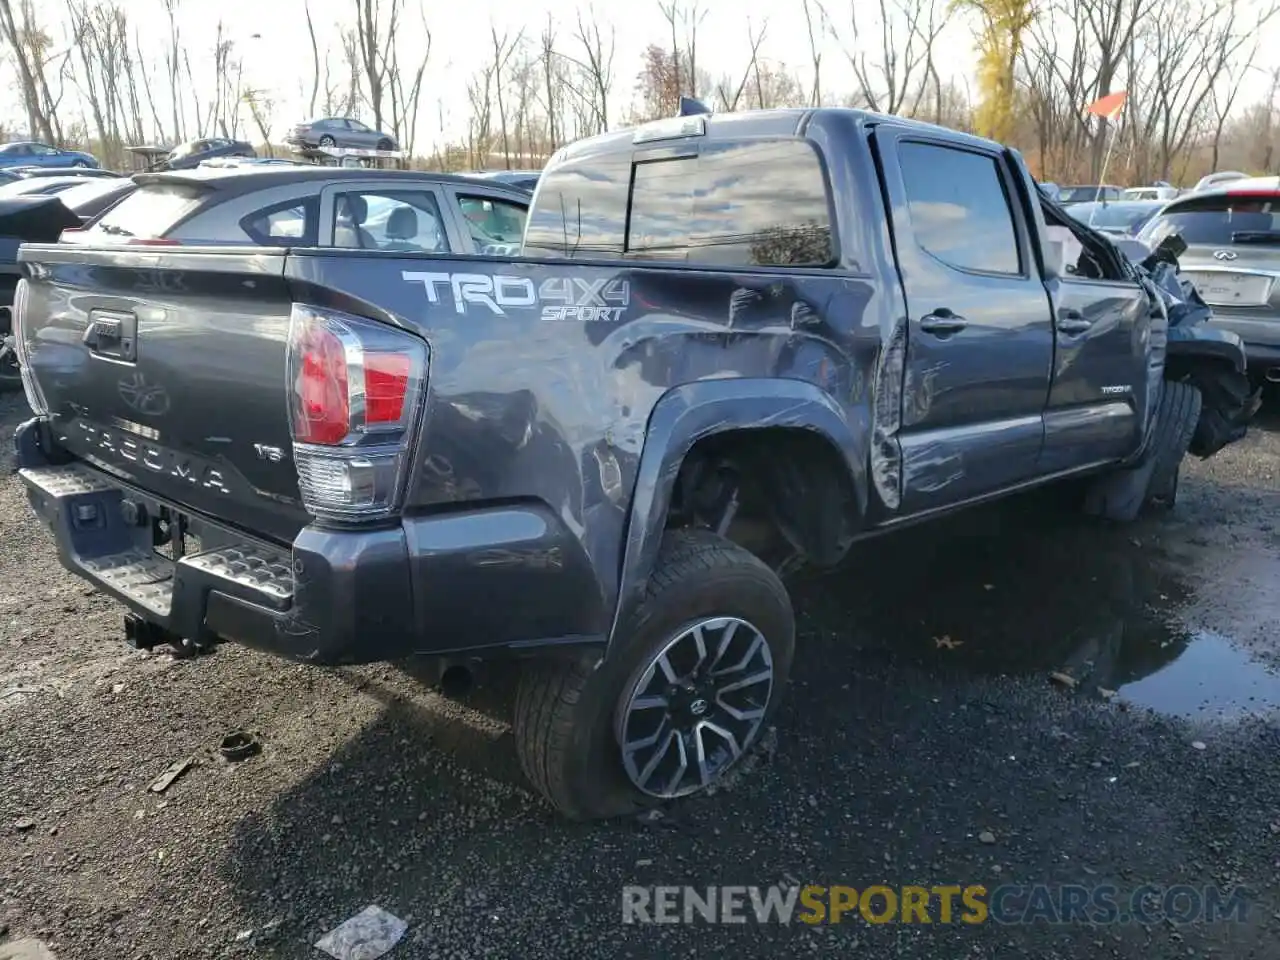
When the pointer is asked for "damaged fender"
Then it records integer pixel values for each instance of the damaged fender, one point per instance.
(695, 411)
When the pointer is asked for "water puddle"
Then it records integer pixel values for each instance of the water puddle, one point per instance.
(1017, 590)
(1211, 679)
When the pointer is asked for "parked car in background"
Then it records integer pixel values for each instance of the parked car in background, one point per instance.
(309, 206)
(340, 132)
(29, 153)
(1157, 191)
(1084, 194)
(1216, 179)
(1233, 255)
(84, 173)
(524, 179)
(31, 186)
(1122, 218)
(247, 162)
(187, 156)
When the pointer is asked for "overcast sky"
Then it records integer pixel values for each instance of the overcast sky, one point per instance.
(278, 58)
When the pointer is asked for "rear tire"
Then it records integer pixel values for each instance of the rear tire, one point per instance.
(327, 141)
(572, 716)
(1152, 486)
(385, 145)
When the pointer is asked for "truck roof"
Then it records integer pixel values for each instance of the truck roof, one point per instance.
(780, 122)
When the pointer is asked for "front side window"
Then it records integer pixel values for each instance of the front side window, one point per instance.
(958, 207)
(405, 221)
(496, 226)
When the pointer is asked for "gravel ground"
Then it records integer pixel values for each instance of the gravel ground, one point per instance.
(923, 742)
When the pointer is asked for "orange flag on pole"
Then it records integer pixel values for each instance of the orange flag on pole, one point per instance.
(1108, 107)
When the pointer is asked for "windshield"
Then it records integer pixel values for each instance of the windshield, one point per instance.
(150, 211)
(1218, 220)
(1113, 216)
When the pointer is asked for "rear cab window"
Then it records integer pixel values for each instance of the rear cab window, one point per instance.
(762, 203)
(149, 212)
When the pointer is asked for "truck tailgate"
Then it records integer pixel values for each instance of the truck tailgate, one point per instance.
(167, 369)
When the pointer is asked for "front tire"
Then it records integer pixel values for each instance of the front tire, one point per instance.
(328, 142)
(1152, 485)
(685, 720)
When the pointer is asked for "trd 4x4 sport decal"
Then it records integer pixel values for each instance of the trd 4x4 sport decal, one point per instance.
(574, 299)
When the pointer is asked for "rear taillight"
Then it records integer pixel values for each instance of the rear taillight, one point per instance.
(35, 396)
(355, 391)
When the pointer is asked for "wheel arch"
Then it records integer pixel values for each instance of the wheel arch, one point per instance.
(746, 414)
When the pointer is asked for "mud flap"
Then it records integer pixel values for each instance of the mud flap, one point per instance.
(1153, 482)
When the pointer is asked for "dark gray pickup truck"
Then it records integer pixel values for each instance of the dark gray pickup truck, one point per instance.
(731, 344)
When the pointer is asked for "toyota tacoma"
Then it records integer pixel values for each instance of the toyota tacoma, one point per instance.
(731, 344)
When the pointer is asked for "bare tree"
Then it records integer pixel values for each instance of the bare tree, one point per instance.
(730, 93)
(813, 24)
(30, 44)
(597, 64)
(261, 107)
(315, 59)
(504, 47)
(893, 75)
(684, 23)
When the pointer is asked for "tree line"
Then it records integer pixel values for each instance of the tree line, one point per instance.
(84, 78)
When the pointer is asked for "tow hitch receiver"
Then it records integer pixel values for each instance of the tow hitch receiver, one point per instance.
(144, 635)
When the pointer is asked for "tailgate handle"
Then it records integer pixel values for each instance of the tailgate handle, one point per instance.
(112, 335)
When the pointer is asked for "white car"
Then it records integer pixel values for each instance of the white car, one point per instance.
(1159, 191)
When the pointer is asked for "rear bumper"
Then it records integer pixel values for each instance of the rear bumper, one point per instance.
(474, 583)
(1261, 336)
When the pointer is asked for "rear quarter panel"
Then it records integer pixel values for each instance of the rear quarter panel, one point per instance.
(544, 374)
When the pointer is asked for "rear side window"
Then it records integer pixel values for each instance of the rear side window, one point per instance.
(150, 211)
(406, 221)
(762, 203)
(291, 223)
(1219, 220)
(959, 209)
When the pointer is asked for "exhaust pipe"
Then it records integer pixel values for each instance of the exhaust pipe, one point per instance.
(1273, 375)
(456, 681)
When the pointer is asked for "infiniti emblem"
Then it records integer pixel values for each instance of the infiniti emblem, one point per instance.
(1224, 254)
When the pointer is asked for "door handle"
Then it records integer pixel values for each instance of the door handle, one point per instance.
(113, 335)
(942, 323)
(1072, 322)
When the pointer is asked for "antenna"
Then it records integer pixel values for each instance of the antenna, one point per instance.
(690, 107)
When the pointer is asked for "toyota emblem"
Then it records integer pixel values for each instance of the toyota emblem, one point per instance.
(1224, 254)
